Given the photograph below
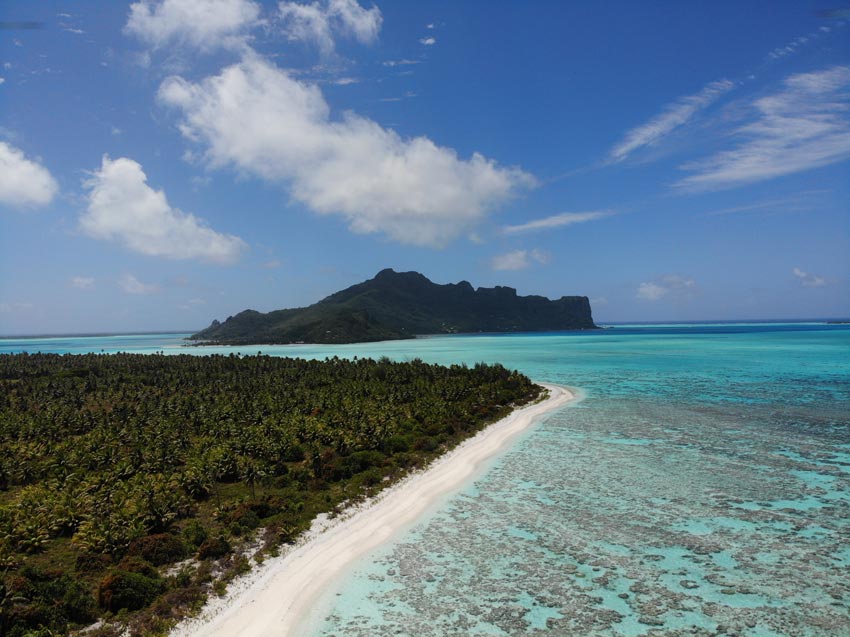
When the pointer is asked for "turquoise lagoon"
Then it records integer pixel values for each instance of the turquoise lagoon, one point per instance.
(700, 487)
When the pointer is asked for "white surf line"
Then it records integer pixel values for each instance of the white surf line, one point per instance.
(276, 597)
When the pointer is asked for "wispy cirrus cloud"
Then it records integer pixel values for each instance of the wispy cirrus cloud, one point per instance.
(673, 116)
(798, 202)
(557, 221)
(794, 45)
(804, 125)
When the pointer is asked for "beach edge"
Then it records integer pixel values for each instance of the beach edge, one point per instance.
(276, 597)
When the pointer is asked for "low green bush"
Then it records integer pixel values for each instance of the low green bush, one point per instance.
(159, 549)
(122, 589)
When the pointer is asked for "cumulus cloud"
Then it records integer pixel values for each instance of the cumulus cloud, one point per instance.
(318, 23)
(667, 285)
(131, 285)
(805, 125)
(81, 282)
(123, 207)
(429, 41)
(518, 259)
(202, 24)
(808, 280)
(255, 117)
(557, 221)
(672, 117)
(24, 183)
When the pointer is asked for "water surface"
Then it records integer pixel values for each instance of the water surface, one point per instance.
(702, 487)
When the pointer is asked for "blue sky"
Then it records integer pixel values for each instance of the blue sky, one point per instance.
(167, 162)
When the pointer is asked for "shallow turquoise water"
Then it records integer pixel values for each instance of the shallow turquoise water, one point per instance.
(702, 487)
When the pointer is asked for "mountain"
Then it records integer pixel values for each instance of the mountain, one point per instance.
(397, 305)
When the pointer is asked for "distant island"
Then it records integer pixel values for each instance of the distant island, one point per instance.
(399, 305)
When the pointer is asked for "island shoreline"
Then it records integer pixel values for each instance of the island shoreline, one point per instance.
(277, 596)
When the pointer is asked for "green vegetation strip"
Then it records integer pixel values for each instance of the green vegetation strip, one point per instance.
(130, 484)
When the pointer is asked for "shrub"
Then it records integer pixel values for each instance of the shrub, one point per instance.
(398, 444)
(122, 589)
(159, 549)
(77, 602)
(136, 564)
(92, 562)
(213, 547)
(248, 515)
(195, 533)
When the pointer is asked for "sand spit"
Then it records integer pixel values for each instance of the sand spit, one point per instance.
(277, 596)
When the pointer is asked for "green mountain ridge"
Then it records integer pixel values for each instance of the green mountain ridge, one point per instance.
(397, 305)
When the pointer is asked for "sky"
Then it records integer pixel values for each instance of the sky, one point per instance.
(167, 162)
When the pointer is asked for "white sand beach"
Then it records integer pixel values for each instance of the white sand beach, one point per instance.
(275, 599)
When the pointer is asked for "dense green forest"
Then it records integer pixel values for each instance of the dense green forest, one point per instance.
(129, 483)
(395, 305)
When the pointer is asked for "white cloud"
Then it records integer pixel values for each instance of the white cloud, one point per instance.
(131, 285)
(24, 183)
(317, 23)
(668, 284)
(514, 260)
(518, 259)
(672, 117)
(650, 291)
(796, 43)
(2, 80)
(402, 62)
(203, 24)
(429, 41)
(257, 118)
(81, 282)
(808, 280)
(557, 221)
(124, 208)
(805, 125)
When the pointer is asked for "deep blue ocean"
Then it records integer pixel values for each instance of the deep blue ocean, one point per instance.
(701, 486)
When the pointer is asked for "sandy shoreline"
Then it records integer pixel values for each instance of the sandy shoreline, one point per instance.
(276, 597)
